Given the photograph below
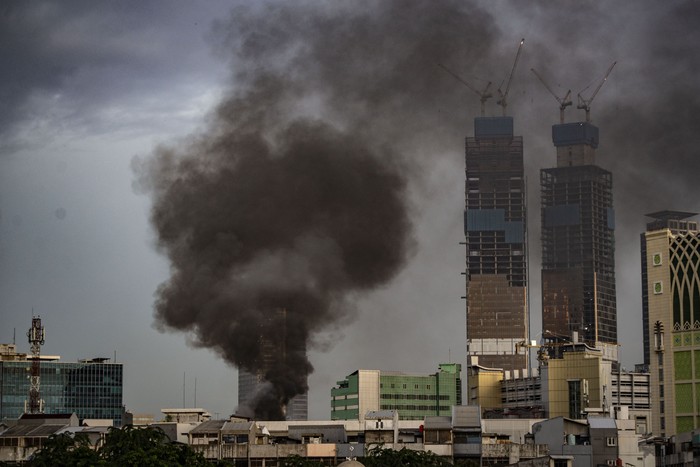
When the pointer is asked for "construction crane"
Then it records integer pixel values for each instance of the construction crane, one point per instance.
(586, 103)
(503, 95)
(563, 101)
(483, 95)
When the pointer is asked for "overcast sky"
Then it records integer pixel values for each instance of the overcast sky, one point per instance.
(90, 90)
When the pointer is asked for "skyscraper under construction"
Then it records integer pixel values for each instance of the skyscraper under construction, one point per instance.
(578, 242)
(495, 231)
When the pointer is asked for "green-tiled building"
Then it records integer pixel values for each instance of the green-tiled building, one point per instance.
(92, 389)
(414, 396)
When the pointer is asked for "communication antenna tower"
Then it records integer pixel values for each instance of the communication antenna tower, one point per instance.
(36, 340)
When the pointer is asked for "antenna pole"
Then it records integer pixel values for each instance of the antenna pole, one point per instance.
(35, 336)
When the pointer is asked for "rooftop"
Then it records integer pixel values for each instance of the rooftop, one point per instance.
(671, 215)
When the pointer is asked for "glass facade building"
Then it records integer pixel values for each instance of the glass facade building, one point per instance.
(92, 389)
(495, 231)
(578, 241)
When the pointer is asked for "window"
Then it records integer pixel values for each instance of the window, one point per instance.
(575, 399)
(611, 441)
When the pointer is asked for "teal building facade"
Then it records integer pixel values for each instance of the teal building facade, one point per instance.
(414, 396)
(92, 389)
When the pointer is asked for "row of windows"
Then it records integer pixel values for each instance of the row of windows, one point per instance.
(423, 397)
(405, 386)
(414, 407)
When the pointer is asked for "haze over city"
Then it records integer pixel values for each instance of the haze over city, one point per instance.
(97, 96)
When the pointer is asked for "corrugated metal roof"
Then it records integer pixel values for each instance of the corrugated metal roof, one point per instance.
(466, 416)
(31, 430)
(237, 427)
(211, 426)
(602, 422)
(438, 423)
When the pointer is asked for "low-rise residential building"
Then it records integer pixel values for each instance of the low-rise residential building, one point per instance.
(28, 434)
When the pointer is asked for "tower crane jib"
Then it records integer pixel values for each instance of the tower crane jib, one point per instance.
(483, 95)
(563, 101)
(585, 104)
(503, 95)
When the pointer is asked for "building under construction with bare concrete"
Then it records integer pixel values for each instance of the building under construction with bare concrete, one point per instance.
(578, 242)
(495, 230)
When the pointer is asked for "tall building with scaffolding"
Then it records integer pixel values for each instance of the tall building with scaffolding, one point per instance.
(495, 239)
(670, 250)
(578, 242)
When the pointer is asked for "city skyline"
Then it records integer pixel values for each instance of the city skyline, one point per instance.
(98, 88)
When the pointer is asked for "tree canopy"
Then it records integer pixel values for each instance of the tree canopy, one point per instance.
(385, 457)
(129, 446)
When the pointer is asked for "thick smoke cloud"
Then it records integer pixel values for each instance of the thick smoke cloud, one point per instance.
(296, 196)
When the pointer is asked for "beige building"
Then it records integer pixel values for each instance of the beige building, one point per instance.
(671, 311)
(575, 381)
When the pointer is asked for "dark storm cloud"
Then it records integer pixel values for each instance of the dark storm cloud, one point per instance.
(68, 60)
(654, 126)
(273, 208)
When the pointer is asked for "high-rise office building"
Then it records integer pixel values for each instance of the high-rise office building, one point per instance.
(578, 242)
(671, 319)
(495, 230)
(92, 389)
(276, 352)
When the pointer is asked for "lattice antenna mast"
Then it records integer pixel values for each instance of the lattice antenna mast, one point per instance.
(36, 340)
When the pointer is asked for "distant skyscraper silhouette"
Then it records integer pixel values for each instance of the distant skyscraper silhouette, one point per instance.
(274, 352)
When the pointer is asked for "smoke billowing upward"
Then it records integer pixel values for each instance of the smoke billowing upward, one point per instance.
(296, 195)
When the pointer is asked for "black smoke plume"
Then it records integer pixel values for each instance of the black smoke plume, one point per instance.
(296, 195)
